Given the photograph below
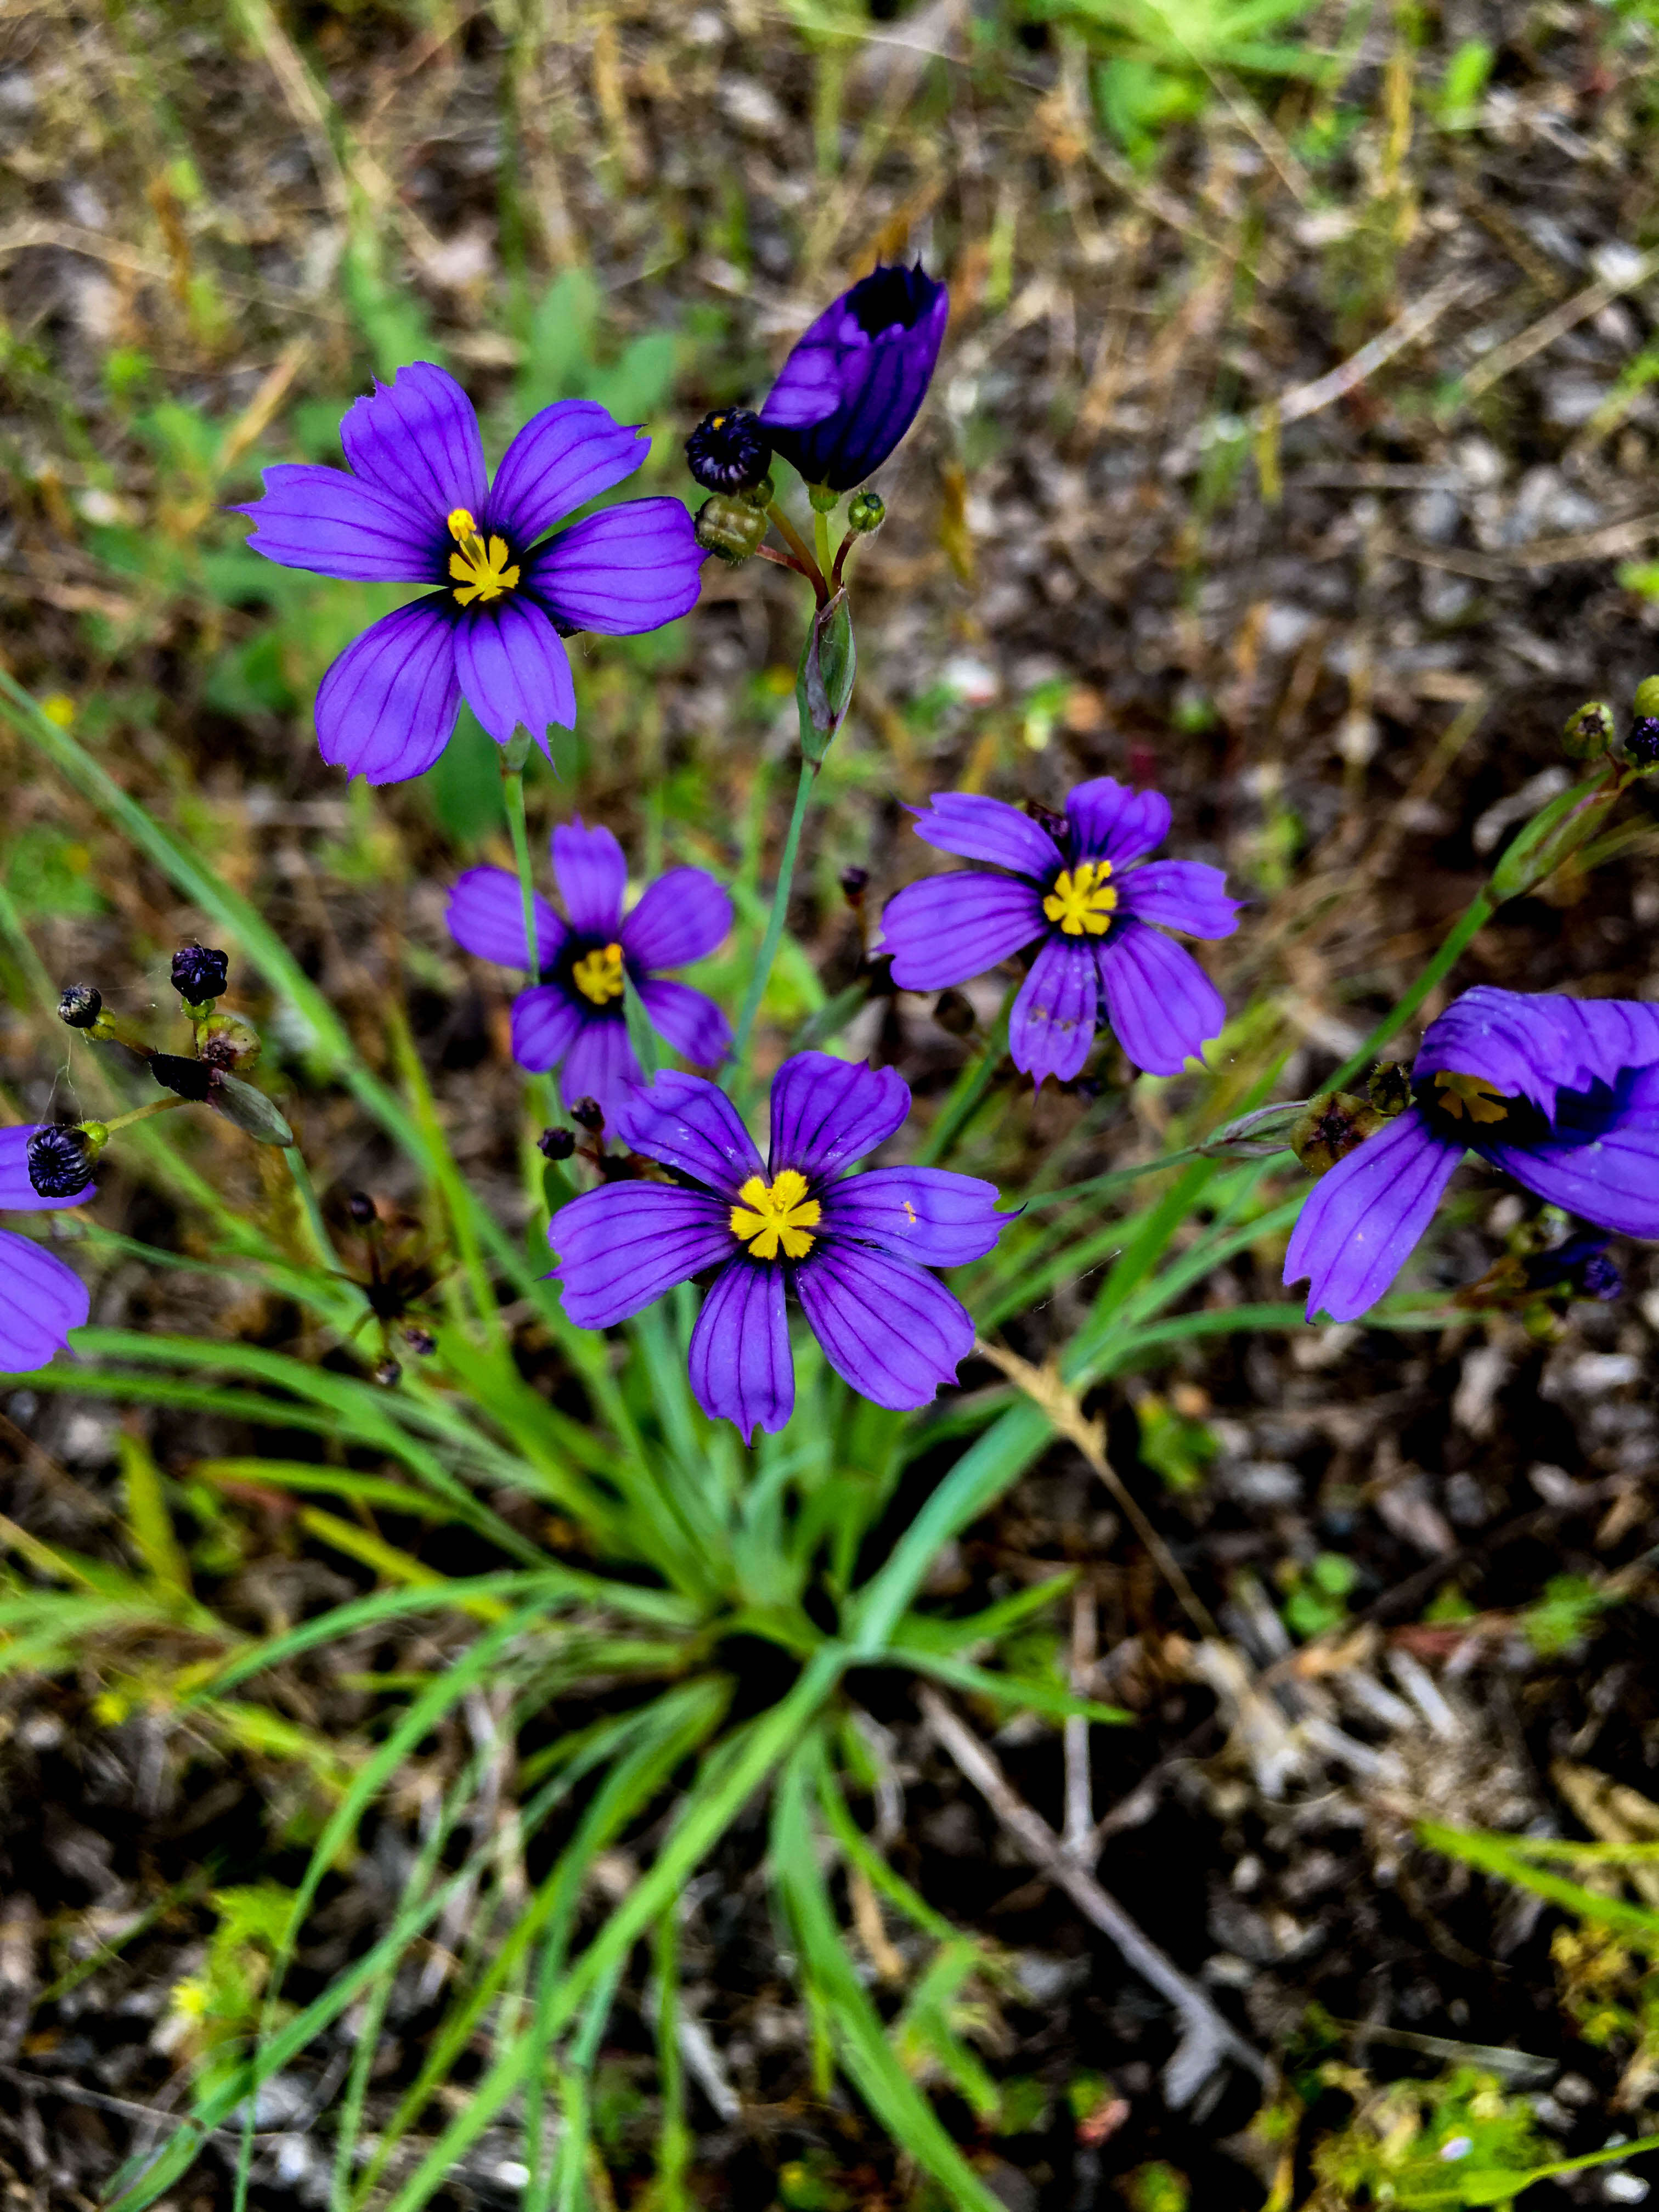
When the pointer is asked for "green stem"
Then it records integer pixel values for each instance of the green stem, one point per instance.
(821, 539)
(305, 1191)
(512, 794)
(798, 546)
(1474, 919)
(970, 1086)
(775, 921)
(141, 1114)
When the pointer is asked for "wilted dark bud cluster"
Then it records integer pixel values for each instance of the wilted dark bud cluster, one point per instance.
(200, 974)
(61, 1160)
(79, 1005)
(588, 1115)
(556, 1144)
(1641, 746)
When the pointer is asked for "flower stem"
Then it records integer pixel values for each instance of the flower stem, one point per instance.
(512, 794)
(802, 551)
(821, 539)
(142, 1114)
(775, 921)
(1474, 919)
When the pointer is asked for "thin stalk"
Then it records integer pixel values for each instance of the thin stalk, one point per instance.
(305, 1191)
(775, 921)
(802, 551)
(513, 794)
(821, 539)
(970, 1086)
(142, 1114)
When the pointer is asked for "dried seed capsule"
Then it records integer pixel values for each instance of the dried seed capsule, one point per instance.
(79, 1005)
(556, 1144)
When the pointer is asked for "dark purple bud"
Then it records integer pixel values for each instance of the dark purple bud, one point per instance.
(60, 1162)
(729, 451)
(556, 1144)
(421, 1340)
(853, 883)
(1581, 1266)
(954, 1012)
(190, 1078)
(1641, 746)
(1599, 1278)
(199, 973)
(79, 1005)
(1055, 822)
(388, 1373)
(360, 1206)
(852, 386)
(589, 1114)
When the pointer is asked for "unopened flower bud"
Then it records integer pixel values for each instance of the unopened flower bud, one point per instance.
(388, 1373)
(199, 974)
(1588, 731)
(556, 1144)
(1390, 1088)
(79, 1005)
(589, 1113)
(954, 1012)
(1330, 1127)
(421, 1340)
(1047, 818)
(855, 882)
(361, 1208)
(61, 1159)
(227, 1040)
(731, 528)
(824, 498)
(729, 451)
(1641, 746)
(866, 511)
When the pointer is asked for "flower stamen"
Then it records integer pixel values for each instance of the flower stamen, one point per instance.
(598, 974)
(480, 571)
(781, 1214)
(1485, 1101)
(1083, 899)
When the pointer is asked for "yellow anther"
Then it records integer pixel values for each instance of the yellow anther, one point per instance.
(1083, 899)
(1485, 1101)
(781, 1214)
(599, 975)
(480, 571)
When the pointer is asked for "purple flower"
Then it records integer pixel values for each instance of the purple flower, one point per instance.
(1077, 893)
(572, 1018)
(415, 507)
(855, 1251)
(851, 388)
(1562, 1094)
(40, 1298)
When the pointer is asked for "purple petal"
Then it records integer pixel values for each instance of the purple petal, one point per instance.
(600, 1065)
(950, 928)
(593, 875)
(1053, 1022)
(893, 1332)
(40, 1301)
(741, 1368)
(1529, 1044)
(691, 1125)
(546, 1022)
(929, 1216)
(688, 1020)
(1109, 822)
(418, 439)
(17, 1194)
(988, 829)
(1162, 1006)
(827, 1113)
(852, 386)
(1179, 895)
(621, 1247)
(683, 916)
(485, 916)
(1601, 1161)
(628, 569)
(385, 708)
(513, 668)
(337, 526)
(1360, 1222)
(562, 458)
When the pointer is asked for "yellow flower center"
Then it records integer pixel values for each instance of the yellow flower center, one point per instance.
(781, 1214)
(1485, 1101)
(481, 571)
(599, 975)
(1082, 899)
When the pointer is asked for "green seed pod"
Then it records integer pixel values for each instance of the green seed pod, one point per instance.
(228, 1042)
(1332, 1125)
(731, 528)
(868, 513)
(1589, 732)
(1646, 701)
(1390, 1088)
